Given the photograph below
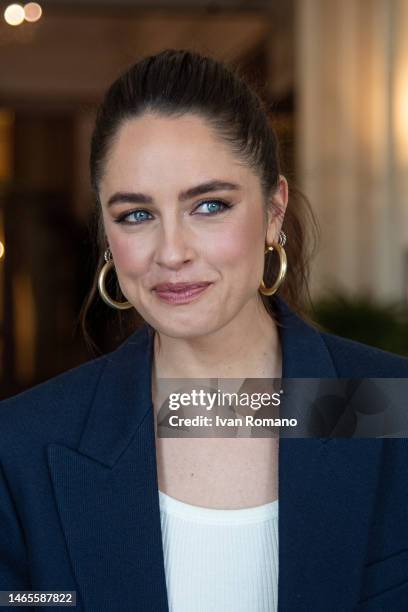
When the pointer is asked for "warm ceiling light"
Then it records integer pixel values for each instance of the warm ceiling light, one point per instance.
(1, 249)
(32, 12)
(14, 14)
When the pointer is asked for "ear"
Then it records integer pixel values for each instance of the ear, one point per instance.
(278, 205)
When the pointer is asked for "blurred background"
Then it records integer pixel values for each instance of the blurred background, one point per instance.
(336, 74)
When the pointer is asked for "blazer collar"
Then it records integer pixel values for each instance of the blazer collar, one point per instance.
(125, 383)
(304, 353)
(107, 492)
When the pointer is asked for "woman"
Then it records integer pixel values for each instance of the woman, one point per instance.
(192, 204)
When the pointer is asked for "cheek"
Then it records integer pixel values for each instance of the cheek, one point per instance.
(130, 260)
(239, 246)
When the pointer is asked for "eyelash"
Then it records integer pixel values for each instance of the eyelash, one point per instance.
(122, 218)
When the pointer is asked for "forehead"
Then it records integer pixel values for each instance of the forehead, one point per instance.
(150, 130)
(186, 147)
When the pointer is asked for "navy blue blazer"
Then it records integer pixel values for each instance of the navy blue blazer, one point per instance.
(79, 506)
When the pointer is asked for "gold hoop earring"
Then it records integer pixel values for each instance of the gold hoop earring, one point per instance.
(282, 267)
(101, 284)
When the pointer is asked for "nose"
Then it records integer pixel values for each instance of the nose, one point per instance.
(175, 246)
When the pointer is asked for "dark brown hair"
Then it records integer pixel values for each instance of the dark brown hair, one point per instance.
(178, 81)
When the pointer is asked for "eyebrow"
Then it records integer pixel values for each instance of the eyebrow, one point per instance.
(141, 198)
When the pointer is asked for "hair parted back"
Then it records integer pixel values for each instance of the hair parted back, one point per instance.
(175, 82)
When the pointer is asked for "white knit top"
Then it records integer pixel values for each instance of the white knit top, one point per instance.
(220, 560)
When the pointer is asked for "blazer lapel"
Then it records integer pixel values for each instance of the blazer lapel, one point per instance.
(326, 493)
(106, 490)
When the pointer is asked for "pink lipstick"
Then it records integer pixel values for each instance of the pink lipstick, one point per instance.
(180, 293)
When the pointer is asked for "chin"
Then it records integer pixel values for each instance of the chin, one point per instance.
(186, 328)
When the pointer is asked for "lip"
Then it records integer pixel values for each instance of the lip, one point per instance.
(185, 292)
(179, 286)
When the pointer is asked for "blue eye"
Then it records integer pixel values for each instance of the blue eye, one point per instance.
(139, 216)
(213, 210)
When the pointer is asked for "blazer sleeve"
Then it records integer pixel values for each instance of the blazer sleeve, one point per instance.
(14, 573)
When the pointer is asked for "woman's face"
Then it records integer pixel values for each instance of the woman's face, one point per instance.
(179, 207)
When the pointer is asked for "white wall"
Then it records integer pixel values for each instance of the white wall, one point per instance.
(351, 70)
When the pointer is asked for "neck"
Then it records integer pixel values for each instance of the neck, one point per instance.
(247, 347)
